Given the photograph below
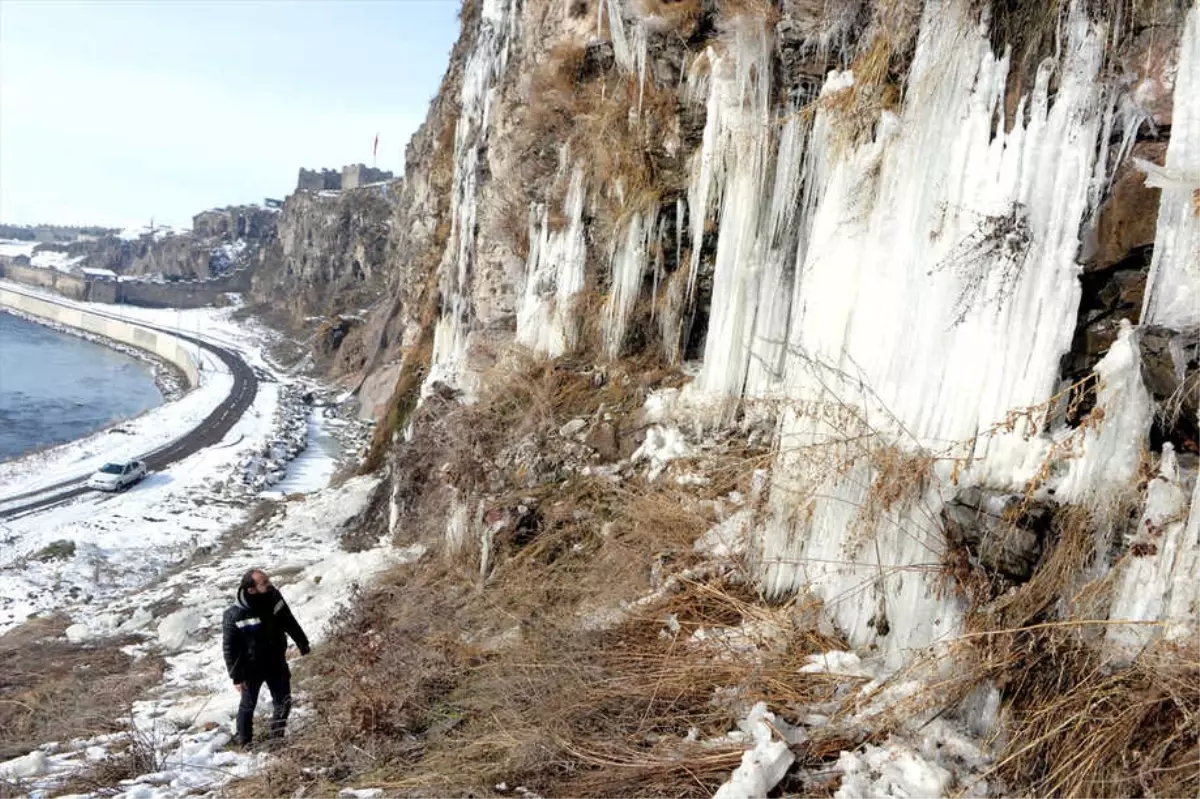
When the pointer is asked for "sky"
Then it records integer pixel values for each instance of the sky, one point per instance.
(114, 113)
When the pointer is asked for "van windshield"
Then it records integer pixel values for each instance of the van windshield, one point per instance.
(113, 468)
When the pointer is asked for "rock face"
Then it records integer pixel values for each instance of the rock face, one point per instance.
(1171, 372)
(542, 84)
(864, 210)
(1004, 533)
(329, 256)
(236, 222)
(222, 240)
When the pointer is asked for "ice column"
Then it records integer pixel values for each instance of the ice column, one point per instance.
(937, 292)
(547, 321)
(629, 259)
(1173, 287)
(1160, 578)
(485, 65)
(747, 171)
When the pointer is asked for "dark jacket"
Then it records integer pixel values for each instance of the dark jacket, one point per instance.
(254, 635)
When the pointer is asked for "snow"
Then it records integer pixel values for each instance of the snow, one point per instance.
(226, 256)
(1173, 286)
(12, 248)
(123, 540)
(765, 764)
(315, 466)
(661, 446)
(188, 718)
(59, 261)
(835, 662)
(30, 765)
(728, 538)
(94, 272)
(890, 770)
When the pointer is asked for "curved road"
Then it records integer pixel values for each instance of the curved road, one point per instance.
(208, 432)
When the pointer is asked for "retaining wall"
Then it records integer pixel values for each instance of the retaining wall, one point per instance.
(164, 345)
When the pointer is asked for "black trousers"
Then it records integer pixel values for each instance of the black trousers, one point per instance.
(279, 683)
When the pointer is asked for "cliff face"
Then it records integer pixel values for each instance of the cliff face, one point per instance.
(865, 221)
(222, 240)
(328, 257)
(731, 355)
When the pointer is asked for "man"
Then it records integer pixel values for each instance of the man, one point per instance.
(255, 630)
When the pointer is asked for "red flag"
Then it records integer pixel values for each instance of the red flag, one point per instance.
(375, 149)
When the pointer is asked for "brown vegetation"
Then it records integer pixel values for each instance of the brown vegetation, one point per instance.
(54, 690)
(537, 670)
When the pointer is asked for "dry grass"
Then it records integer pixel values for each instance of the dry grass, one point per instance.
(452, 688)
(679, 16)
(880, 69)
(574, 107)
(1080, 728)
(545, 671)
(53, 690)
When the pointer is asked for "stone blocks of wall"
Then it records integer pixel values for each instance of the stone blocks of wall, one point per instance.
(356, 175)
(189, 294)
(143, 293)
(319, 180)
(72, 286)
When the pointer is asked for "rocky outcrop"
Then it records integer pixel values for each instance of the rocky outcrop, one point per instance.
(330, 256)
(1005, 534)
(251, 222)
(1171, 372)
(221, 241)
(420, 231)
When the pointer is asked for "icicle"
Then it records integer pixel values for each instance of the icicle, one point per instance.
(658, 271)
(1158, 577)
(922, 251)
(1111, 452)
(1173, 286)
(628, 265)
(554, 274)
(498, 23)
(756, 197)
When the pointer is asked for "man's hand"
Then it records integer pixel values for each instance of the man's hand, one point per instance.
(241, 686)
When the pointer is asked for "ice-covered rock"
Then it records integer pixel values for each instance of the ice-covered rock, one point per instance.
(178, 629)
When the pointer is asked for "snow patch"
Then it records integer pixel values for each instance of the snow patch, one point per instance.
(765, 764)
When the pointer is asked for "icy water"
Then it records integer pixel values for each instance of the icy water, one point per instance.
(55, 388)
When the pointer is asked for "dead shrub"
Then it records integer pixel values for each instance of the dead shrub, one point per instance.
(680, 16)
(880, 70)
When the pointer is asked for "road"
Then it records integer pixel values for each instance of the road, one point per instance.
(208, 432)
